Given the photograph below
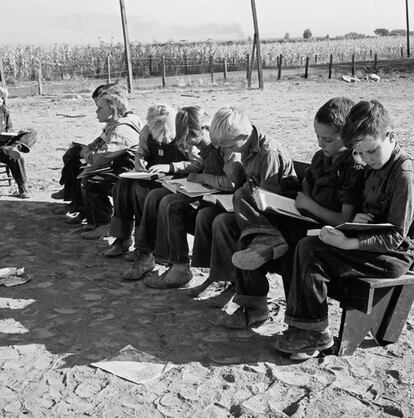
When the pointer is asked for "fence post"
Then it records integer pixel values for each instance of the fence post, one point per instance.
(234, 65)
(225, 69)
(211, 68)
(306, 67)
(402, 52)
(353, 65)
(39, 79)
(375, 63)
(163, 70)
(185, 65)
(370, 53)
(330, 66)
(3, 79)
(150, 65)
(316, 59)
(108, 69)
(248, 66)
(279, 67)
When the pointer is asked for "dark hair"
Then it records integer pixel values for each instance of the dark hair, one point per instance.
(334, 112)
(366, 119)
(103, 88)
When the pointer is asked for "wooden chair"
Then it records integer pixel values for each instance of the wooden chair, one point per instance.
(5, 175)
(379, 306)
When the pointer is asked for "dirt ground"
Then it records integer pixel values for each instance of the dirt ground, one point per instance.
(76, 310)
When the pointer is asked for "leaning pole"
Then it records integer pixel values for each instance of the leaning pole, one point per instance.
(126, 44)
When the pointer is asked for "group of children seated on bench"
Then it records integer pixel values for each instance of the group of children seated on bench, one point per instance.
(360, 174)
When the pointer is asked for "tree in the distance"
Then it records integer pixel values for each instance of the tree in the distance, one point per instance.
(307, 34)
(381, 32)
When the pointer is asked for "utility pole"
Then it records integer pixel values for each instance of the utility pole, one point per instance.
(126, 44)
(408, 28)
(256, 41)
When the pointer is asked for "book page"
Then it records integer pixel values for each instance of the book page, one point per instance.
(356, 226)
(277, 203)
(224, 200)
(187, 187)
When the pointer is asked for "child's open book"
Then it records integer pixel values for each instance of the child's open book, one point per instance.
(187, 187)
(224, 200)
(141, 175)
(356, 228)
(273, 202)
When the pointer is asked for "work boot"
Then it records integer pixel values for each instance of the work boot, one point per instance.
(23, 193)
(262, 249)
(244, 317)
(178, 275)
(143, 264)
(303, 344)
(118, 247)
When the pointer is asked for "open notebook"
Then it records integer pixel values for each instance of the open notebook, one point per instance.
(187, 188)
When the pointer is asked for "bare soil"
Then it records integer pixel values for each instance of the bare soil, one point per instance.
(76, 310)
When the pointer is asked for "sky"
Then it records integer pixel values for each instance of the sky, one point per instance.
(92, 21)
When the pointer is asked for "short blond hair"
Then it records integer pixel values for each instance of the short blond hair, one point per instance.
(229, 123)
(161, 122)
(115, 101)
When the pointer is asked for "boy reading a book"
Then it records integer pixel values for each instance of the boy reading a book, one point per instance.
(176, 216)
(265, 163)
(330, 192)
(73, 162)
(388, 196)
(161, 150)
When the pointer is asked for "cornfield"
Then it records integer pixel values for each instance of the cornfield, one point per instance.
(60, 62)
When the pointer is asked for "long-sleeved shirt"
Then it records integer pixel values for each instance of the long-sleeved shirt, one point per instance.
(113, 141)
(191, 161)
(266, 163)
(222, 171)
(335, 181)
(389, 196)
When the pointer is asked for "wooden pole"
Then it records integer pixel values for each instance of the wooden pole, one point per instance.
(225, 69)
(257, 41)
(330, 66)
(279, 67)
(211, 68)
(163, 70)
(126, 44)
(108, 68)
(375, 63)
(408, 28)
(248, 66)
(39, 79)
(3, 79)
(353, 65)
(306, 67)
(249, 84)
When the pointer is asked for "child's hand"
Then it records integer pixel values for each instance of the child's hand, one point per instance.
(159, 168)
(84, 152)
(331, 236)
(195, 178)
(364, 218)
(12, 152)
(303, 201)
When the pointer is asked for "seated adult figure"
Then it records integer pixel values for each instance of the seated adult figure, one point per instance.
(73, 163)
(13, 145)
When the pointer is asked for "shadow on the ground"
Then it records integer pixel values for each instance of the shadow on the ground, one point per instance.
(83, 308)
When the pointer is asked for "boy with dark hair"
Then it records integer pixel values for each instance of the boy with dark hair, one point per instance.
(388, 196)
(330, 193)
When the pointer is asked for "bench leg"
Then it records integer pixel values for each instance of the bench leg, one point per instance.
(354, 327)
(396, 315)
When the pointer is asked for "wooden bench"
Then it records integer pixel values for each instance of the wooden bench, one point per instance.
(380, 306)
